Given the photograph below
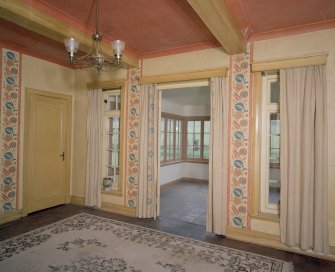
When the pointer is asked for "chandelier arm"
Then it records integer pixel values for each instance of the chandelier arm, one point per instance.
(85, 56)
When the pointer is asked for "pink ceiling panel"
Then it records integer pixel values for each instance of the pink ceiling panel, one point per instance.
(146, 26)
(161, 27)
(269, 15)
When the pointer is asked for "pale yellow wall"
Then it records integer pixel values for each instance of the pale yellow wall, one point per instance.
(265, 226)
(302, 45)
(279, 48)
(46, 76)
(82, 77)
(187, 62)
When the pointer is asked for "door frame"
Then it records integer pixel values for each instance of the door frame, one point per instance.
(28, 93)
(181, 78)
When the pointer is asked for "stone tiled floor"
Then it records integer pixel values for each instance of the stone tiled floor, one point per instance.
(38, 219)
(185, 201)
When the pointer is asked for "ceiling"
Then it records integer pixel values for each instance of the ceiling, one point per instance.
(190, 96)
(262, 19)
(161, 27)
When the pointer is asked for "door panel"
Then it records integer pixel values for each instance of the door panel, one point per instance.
(47, 142)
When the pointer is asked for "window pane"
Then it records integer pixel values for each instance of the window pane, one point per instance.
(169, 153)
(112, 102)
(274, 161)
(206, 139)
(274, 123)
(118, 102)
(162, 124)
(197, 126)
(206, 152)
(162, 140)
(207, 126)
(162, 153)
(190, 126)
(169, 125)
(178, 152)
(189, 151)
(274, 190)
(196, 154)
(196, 142)
(190, 138)
(116, 123)
(274, 141)
(171, 135)
(274, 91)
(116, 139)
(168, 139)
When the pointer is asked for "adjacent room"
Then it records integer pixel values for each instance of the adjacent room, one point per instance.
(184, 152)
(170, 135)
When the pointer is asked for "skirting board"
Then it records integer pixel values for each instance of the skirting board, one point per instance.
(108, 207)
(5, 218)
(165, 185)
(270, 240)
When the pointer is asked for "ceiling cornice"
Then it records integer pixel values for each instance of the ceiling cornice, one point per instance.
(219, 20)
(33, 19)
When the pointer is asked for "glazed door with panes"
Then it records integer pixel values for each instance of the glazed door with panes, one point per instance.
(111, 171)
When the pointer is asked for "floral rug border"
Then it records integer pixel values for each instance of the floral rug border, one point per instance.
(17, 244)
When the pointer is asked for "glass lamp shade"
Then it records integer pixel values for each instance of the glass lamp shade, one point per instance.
(118, 47)
(71, 45)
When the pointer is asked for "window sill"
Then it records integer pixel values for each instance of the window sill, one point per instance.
(196, 161)
(170, 163)
(266, 217)
(188, 160)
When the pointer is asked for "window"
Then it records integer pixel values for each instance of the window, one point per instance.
(111, 141)
(270, 145)
(197, 137)
(171, 137)
(184, 138)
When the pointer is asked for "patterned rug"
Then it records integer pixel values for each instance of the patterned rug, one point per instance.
(85, 242)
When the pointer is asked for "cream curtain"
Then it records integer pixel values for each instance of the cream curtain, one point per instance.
(148, 184)
(303, 158)
(217, 190)
(94, 148)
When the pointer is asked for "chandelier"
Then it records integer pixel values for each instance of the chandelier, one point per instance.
(94, 58)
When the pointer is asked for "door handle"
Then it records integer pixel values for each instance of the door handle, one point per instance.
(62, 155)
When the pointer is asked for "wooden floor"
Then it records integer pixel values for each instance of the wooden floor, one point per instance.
(170, 225)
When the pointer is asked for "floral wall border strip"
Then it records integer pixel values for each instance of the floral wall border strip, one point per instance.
(133, 121)
(239, 141)
(10, 129)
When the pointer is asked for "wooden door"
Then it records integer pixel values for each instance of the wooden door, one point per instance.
(47, 150)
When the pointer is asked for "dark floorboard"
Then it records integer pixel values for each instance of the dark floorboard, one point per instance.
(170, 225)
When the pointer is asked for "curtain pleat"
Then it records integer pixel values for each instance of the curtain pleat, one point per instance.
(94, 148)
(149, 157)
(217, 190)
(303, 158)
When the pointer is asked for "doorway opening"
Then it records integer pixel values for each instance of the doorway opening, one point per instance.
(184, 151)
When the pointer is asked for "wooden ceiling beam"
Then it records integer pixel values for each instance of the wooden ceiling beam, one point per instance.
(33, 19)
(219, 20)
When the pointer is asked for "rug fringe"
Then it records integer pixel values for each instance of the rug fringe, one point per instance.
(288, 267)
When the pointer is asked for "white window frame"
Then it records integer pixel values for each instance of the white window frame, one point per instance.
(267, 109)
(107, 115)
